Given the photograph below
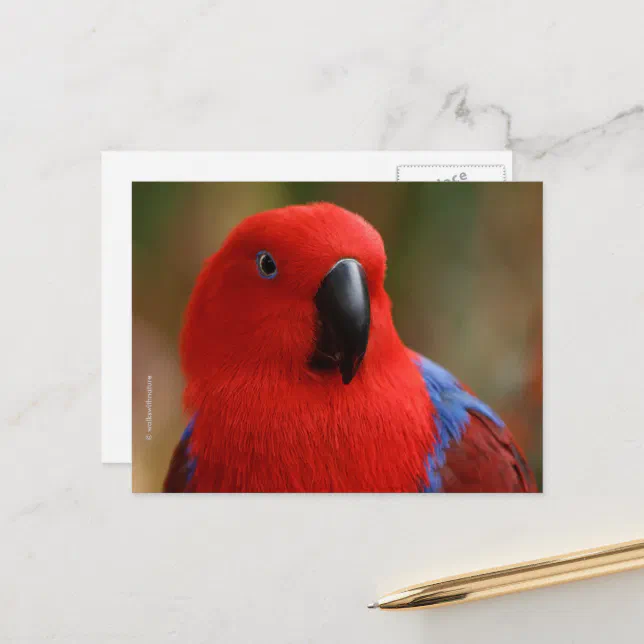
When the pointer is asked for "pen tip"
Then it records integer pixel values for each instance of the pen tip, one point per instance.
(374, 605)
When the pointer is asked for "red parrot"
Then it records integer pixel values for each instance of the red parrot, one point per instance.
(297, 380)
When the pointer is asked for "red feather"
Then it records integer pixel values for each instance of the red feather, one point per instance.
(486, 460)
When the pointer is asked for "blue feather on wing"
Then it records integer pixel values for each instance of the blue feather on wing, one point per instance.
(452, 407)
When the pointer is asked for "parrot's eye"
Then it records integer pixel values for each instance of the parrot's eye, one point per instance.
(266, 265)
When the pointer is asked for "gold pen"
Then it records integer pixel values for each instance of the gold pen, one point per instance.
(518, 577)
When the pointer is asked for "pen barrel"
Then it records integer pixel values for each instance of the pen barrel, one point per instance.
(520, 577)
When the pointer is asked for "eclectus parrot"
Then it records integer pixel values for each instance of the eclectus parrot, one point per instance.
(297, 380)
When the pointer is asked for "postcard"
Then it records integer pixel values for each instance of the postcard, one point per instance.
(121, 169)
(336, 336)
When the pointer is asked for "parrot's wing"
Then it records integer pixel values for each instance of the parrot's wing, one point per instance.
(474, 451)
(182, 465)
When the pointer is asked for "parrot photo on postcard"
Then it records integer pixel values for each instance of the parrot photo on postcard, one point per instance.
(297, 381)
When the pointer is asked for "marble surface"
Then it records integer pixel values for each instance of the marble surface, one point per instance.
(560, 84)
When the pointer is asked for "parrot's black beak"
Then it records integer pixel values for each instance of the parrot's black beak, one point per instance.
(344, 317)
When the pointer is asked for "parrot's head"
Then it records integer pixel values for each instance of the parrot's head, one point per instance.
(296, 292)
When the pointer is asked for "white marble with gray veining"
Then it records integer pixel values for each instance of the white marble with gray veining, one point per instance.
(559, 83)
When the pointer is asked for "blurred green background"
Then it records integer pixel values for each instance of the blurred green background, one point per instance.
(464, 273)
